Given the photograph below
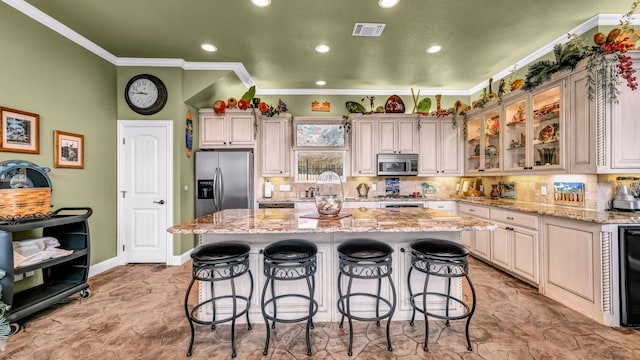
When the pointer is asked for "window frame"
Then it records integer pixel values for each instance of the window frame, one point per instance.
(296, 180)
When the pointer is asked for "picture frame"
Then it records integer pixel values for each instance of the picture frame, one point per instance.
(466, 184)
(20, 131)
(319, 133)
(68, 150)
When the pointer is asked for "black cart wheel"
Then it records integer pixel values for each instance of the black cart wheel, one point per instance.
(14, 328)
(85, 293)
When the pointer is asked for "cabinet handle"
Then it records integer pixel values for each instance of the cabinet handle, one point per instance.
(280, 171)
(225, 143)
(509, 218)
(480, 169)
(472, 210)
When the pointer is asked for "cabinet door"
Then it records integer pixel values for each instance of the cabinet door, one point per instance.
(525, 254)
(491, 147)
(501, 247)
(388, 137)
(548, 122)
(364, 148)
(449, 149)
(275, 148)
(240, 130)
(625, 127)
(467, 240)
(472, 144)
(429, 148)
(582, 126)
(212, 131)
(515, 135)
(407, 138)
(482, 244)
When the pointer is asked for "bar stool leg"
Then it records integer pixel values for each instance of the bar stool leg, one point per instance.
(313, 284)
(275, 302)
(310, 320)
(411, 299)
(341, 300)
(186, 310)
(249, 327)
(213, 304)
(233, 320)
(349, 317)
(264, 315)
(393, 309)
(425, 347)
(473, 309)
(447, 323)
(378, 303)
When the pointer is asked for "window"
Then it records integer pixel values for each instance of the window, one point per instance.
(310, 164)
(320, 145)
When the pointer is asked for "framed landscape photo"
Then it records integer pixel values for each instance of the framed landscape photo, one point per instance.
(68, 150)
(20, 131)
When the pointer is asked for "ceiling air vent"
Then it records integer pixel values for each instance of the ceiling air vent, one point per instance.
(367, 29)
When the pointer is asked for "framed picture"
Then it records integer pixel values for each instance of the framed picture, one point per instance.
(68, 150)
(20, 131)
(317, 133)
(466, 184)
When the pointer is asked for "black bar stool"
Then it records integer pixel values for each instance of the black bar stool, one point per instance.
(217, 262)
(446, 259)
(365, 259)
(288, 260)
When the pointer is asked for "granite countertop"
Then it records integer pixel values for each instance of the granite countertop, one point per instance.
(263, 221)
(567, 212)
(359, 199)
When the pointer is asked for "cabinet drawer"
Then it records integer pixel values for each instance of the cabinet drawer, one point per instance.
(515, 218)
(474, 210)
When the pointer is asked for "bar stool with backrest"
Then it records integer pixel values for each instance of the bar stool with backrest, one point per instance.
(213, 263)
(441, 258)
(289, 260)
(365, 259)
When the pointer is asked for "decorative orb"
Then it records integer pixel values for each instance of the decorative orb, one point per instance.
(329, 194)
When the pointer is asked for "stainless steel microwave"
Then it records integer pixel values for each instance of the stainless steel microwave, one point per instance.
(398, 164)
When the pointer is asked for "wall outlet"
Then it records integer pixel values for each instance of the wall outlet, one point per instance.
(285, 187)
(374, 187)
(543, 190)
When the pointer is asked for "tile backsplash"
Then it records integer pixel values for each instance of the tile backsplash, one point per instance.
(598, 189)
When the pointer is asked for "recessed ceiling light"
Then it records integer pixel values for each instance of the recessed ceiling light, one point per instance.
(261, 3)
(321, 83)
(209, 47)
(322, 48)
(388, 3)
(434, 49)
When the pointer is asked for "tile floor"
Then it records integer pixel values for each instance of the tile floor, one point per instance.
(136, 312)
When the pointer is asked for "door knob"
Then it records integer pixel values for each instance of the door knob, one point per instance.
(161, 202)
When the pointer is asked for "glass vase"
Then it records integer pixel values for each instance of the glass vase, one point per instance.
(329, 194)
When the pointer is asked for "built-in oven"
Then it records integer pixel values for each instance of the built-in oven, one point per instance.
(276, 205)
(397, 164)
(629, 276)
(402, 204)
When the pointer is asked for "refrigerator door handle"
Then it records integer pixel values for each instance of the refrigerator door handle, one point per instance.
(220, 188)
(215, 191)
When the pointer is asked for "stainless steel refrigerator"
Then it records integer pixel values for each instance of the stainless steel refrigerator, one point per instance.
(224, 180)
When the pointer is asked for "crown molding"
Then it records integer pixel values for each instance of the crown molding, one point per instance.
(244, 76)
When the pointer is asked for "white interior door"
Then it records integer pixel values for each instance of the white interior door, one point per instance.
(144, 196)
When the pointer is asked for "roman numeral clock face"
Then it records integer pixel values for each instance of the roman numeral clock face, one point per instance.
(145, 94)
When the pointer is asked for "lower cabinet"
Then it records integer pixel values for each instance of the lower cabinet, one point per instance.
(478, 242)
(579, 265)
(442, 205)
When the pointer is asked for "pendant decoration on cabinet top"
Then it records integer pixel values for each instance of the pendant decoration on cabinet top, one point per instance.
(394, 105)
(189, 133)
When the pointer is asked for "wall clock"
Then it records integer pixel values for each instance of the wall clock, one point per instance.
(145, 94)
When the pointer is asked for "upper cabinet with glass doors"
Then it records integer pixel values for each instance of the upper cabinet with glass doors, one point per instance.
(483, 141)
(533, 130)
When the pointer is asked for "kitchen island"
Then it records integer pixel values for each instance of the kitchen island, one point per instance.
(397, 227)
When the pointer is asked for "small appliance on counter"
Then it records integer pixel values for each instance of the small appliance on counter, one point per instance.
(627, 191)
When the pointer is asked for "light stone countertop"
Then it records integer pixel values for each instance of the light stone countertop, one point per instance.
(567, 212)
(268, 221)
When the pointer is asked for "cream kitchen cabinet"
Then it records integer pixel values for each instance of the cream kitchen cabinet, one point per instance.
(233, 129)
(478, 242)
(483, 141)
(514, 244)
(397, 134)
(602, 132)
(579, 267)
(442, 205)
(364, 146)
(440, 148)
(275, 145)
(360, 204)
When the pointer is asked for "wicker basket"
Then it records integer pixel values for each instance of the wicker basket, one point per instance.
(25, 204)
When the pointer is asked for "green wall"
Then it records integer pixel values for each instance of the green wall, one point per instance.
(72, 90)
